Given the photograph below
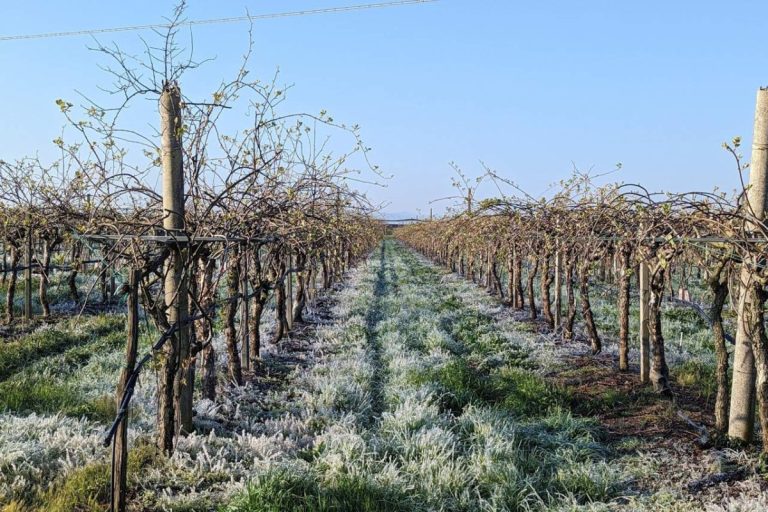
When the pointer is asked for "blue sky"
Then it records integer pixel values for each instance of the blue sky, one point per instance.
(529, 88)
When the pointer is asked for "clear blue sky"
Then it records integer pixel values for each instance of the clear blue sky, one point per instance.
(527, 87)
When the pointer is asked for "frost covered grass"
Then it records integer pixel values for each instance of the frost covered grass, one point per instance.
(38, 442)
(19, 353)
(421, 404)
(56, 398)
(687, 336)
(689, 347)
(649, 479)
(49, 384)
(421, 395)
(36, 449)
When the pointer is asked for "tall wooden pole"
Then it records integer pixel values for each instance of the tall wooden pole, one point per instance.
(244, 310)
(289, 291)
(5, 263)
(120, 462)
(645, 332)
(742, 408)
(112, 283)
(28, 275)
(310, 281)
(103, 277)
(558, 288)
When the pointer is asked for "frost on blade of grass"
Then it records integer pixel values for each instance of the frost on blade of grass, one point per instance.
(51, 340)
(36, 449)
(295, 490)
(79, 381)
(756, 502)
(250, 435)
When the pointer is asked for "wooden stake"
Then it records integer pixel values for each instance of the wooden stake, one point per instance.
(28, 276)
(558, 290)
(244, 331)
(289, 292)
(120, 453)
(645, 333)
(103, 280)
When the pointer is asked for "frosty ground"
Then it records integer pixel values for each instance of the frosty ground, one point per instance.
(410, 389)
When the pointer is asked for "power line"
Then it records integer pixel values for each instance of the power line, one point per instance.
(214, 21)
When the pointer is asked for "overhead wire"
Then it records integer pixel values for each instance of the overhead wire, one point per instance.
(215, 21)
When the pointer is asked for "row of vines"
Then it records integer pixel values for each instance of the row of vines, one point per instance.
(228, 207)
(525, 250)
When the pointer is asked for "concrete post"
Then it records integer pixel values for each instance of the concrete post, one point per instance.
(742, 408)
(176, 299)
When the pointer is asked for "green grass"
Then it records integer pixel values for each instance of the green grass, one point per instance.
(87, 489)
(451, 303)
(614, 401)
(37, 396)
(527, 394)
(697, 375)
(489, 369)
(516, 390)
(41, 396)
(20, 353)
(293, 490)
(45, 385)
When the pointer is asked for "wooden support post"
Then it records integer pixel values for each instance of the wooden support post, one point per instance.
(311, 281)
(645, 335)
(28, 276)
(558, 289)
(103, 280)
(289, 292)
(120, 453)
(244, 310)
